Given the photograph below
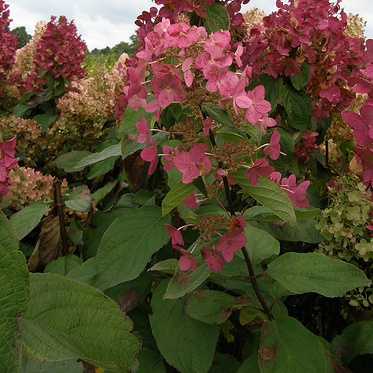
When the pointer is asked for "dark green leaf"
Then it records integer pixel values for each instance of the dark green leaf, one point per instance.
(111, 151)
(260, 244)
(101, 167)
(299, 81)
(270, 195)
(25, 220)
(131, 117)
(287, 346)
(218, 113)
(176, 195)
(126, 247)
(45, 121)
(65, 366)
(217, 18)
(356, 339)
(13, 296)
(66, 319)
(209, 306)
(186, 343)
(185, 282)
(80, 199)
(298, 107)
(68, 161)
(313, 272)
(150, 362)
(63, 265)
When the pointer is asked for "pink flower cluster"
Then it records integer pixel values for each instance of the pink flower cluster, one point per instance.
(362, 122)
(7, 163)
(184, 66)
(28, 185)
(59, 51)
(8, 45)
(305, 147)
(289, 37)
(214, 256)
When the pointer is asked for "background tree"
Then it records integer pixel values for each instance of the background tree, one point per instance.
(23, 36)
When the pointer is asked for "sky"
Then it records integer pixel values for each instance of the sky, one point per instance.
(107, 23)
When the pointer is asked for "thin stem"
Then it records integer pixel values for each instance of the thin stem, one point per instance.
(59, 208)
(254, 284)
(249, 263)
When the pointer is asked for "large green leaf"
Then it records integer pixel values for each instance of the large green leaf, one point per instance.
(65, 366)
(210, 306)
(25, 220)
(287, 346)
(13, 296)
(217, 18)
(93, 233)
(299, 81)
(356, 339)
(45, 121)
(150, 362)
(63, 265)
(80, 199)
(298, 107)
(260, 244)
(315, 272)
(176, 195)
(66, 319)
(126, 247)
(186, 343)
(219, 114)
(68, 161)
(184, 282)
(270, 195)
(111, 151)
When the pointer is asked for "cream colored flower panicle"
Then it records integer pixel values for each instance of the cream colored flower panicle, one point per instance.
(30, 185)
(24, 62)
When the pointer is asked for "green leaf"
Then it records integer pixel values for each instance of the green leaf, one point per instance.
(184, 282)
(80, 199)
(93, 233)
(314, 272)
(299, 81)
(150, 362)
(63, 265)
(209, 306)
(131, 117)
(13, 296)
(270, 195)
(70, 366)
(126, 247)
(298, 107)
(111, 151)
(25, 220)
(68, 161)
(356, 339)
(66, 319)
(101, 193)
(260, 244)
(45, 121)
(250, 365)
(176, 195)
(272, 87)
(166, 266)
(217, 18)
(286, 346)
(218, 113)
(186, 343)
(101, 167)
